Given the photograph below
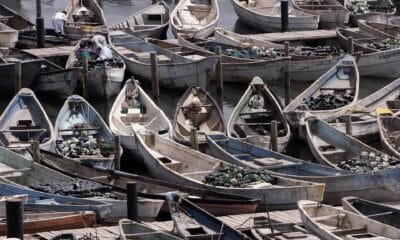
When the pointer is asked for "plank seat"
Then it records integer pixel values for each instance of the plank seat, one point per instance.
(349, 231)
(379, 214)
(338, 89)
(327, 217)
(255, 113)
(258, 124)
(25, 130)
(79, 129)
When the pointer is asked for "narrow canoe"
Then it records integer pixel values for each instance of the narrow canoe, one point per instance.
(150, 22)
(376, 10)
(198, 109)
(143, 114)
(389, 126)
(193, 222)
(195, 18)
(251, 119)
(360, 40)
(376, 211)
(379, 29)
(175, 71)
(130, 230)
(27, 39)
(331, 223)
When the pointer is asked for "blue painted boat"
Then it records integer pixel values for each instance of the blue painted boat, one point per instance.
(192, 222)
(375, 186)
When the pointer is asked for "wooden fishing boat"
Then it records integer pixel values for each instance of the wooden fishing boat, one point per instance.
(363, 116)
(129, 229)
(376, 211)
(389, 126)
(375, 185)
(370, 10)
(198, 109)
(78, 123)
(195, 18)
(339, 82)
(8, 36)
(252, 117)
(192, 222)
(235, 69)
(105, 76)
(213, 202)
(174, 71)
(332, 14)
(332, 223)
(139, 110)
(362, 42)
(27, 39)
(44, 222)
(23, 121)
(224, 36)
(266, 228)
(14, 20)
(150, 22)
(378, 29)
(179, 164)
(266, 16)
(85, 18)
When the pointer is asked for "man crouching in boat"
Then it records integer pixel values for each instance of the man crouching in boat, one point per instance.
(58, 22)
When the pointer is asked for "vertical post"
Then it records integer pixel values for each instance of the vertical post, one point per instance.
(350, 47)
(18, 76)
(39, 25)
(132, 201)
(85, 77)
(36, 151)
(15, 226)
(155, 85)
(194, 138)
(349, 129)
(219, 78)
(287, 74)
(117, 153)
(284, 15)
(274, 135)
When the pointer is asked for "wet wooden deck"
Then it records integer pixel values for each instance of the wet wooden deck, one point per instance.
(51, 52)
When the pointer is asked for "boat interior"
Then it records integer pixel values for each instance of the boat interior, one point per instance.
(391, 129)
(13, 20)
(267, 7)
(194, 14)
(91, 16)
(319, 4)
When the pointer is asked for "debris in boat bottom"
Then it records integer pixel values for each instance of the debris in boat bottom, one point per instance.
(78, 146)
(80, 188)
(329, 101)
(237, 177)
(366, 162)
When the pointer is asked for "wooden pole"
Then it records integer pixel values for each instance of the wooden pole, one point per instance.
(350, 47)
(117, 152)
(39, 25)
(284, 15)
(18, 76)
(194, 138)
(349, 128)
(85, 77)
(36, 151)
(274, 135)
(132, 201)
(155, 85)
(219, 78)
(287, 74)
(14, 221)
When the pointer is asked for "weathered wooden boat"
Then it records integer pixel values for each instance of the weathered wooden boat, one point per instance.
(376, 211)
(85, 18)
(175, 71)
(195, 18)
(82, 134)
(251, 119)
(363, 116)
(389, 126)
(179, 164)
(332, 14)
(150, 22)
(379, 29)
(130, 230)
(338, 183)
(331, 223)
(105, 77)
(362, 42)
(14, 20)
(213, 202)
(224, 36)
(235, 69)
(196, 109)
(193, 222)
(370, 10)
(30, 67)
(24, 121)
(340, 84)
(265, 228)
(44, 222)
(266, 16)
(134, 107)
(8, 36)
(27, 39)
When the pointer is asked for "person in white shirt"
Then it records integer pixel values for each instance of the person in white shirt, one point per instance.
(58, 22)
(105, 53)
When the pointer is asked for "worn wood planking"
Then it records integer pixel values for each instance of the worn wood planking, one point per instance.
(51, 52)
